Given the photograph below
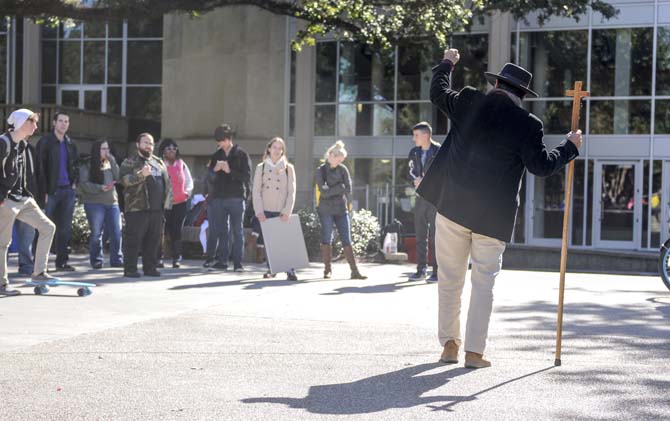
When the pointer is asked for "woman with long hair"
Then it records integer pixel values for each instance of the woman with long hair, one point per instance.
(97, 179)
(273, 191)
(334, 183)
(182, 187)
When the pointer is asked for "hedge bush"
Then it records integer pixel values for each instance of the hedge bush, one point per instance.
(365, 232)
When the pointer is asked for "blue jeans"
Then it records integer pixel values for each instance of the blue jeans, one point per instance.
(25, 234)
(218, 212)
(109, 217)
(343, 228)
(60, 209)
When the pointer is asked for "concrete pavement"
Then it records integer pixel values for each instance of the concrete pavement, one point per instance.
(198, 345)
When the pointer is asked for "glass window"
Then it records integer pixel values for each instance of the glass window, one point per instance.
(365, 75)
(662, 119)
(94, 62)
(370, 179)
(93, 100)
(291, 120)
(545, 55)
(115, 29)
(143, 103)
(324, 120)
(414, 70)
(94, 29)
(69, 62)
(143, 28)
(326, 53)
(404, 195)
(48, 95)
(70, 29)
(410, 114)
(292, 87)
(49, 61)
(621, 62)
(365, 120)
(114, 62)
(70, 98)
(48, 31)
(556, 116)
(3, 68)
(620, 117)
(577, 218)
(145, 62)
(663, 62)
(474, 50)
(114, 100)
(656, 194)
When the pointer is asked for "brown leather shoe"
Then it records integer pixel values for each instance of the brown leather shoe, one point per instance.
(474, 360)
(450, 353)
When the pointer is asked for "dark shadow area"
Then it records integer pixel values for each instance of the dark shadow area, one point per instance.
(398, 389)
(633, 332)
(376, 289)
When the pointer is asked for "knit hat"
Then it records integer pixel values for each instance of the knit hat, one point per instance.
(18, 117)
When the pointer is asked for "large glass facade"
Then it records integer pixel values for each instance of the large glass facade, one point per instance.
(366, 96)
(616, 191)
(114, 68)
(4, 60)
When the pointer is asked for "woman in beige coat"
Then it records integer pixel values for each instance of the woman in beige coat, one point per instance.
(274, 189)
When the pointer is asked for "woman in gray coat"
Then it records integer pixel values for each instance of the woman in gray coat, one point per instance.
(334, 183)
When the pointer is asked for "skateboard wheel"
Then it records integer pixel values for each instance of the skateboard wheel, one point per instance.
(37, 291)
(41, 289)
(83, 292)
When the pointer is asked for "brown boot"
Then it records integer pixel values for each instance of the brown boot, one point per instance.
(474, 360)
(449, 353)
(327, 256)
(351, 259)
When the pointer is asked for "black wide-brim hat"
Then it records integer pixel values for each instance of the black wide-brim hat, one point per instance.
(513, 75)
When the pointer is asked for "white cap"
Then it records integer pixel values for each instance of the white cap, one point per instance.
(18, 117)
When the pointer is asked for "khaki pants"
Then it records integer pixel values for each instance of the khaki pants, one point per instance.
(26, 211)
(454, 243)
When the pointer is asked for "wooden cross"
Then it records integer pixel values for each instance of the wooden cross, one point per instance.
(577, 94)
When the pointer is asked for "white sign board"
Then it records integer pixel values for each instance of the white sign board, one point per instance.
(284, 244)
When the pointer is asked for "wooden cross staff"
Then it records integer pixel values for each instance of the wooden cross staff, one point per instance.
(577, 94)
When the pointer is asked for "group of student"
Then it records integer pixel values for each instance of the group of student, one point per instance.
(39, 187)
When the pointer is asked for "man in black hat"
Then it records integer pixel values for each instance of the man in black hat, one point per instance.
(474, 183)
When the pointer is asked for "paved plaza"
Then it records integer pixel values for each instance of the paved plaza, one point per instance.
(233, 346)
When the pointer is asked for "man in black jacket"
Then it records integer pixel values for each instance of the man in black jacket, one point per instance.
(57, 176)
(474, 183)
(420, 158)
(228, 179)
(16, 199)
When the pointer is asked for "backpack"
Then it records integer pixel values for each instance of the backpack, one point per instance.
(8, 147)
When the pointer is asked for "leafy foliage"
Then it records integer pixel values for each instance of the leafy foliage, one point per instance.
(365, 233)
(379, 23)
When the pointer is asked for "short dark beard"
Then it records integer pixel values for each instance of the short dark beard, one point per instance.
(144, 154)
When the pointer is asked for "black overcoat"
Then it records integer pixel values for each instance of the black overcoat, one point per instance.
(476, 176)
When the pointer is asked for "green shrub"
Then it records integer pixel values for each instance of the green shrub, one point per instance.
(365, 233)
(80, 230)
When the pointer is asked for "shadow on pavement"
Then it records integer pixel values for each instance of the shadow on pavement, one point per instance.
(376, 289)
(399, 389)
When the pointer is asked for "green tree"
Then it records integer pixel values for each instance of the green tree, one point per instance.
(380, 23)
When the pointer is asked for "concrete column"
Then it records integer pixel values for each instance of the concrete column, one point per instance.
(305, 77)
(500, 40)
(32, 63)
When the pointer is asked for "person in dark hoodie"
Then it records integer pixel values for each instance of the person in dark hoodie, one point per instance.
(228, 180)
(16, 200)
(57, 175)
(474, 183)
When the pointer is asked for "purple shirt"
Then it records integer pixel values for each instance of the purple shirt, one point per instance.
(63, 178)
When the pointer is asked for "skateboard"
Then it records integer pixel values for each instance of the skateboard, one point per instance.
(42, 287)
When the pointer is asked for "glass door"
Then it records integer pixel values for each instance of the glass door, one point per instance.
(617, 204)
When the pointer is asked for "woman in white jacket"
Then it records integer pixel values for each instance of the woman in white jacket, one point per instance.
(274, 189)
